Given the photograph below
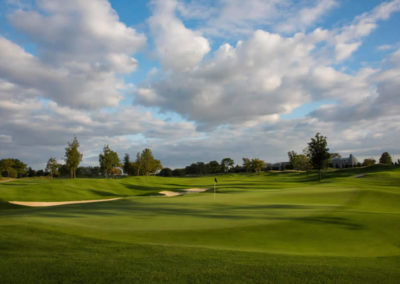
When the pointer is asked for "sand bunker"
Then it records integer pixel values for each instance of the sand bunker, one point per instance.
(45, 204)
(167, 193)
(6, 180)
(360, 176)
(170, 193)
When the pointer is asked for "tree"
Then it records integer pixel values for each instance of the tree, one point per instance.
(88, 171)
(6, 167)
(12, 173)
(20, 167)
(166, 172)
(108, 161)
(138, 164)
(40, 173)
(299, 161)
(127, 164)
(12, 168)
(385, 159)
(178, 173)
(213, 167)
(198, 168)
(72, 157)
(257, 165)
(227, 164)
(31, 172)
(318, 153)
(368, 162)
(149, 165)
(246, 164)
(52, 167)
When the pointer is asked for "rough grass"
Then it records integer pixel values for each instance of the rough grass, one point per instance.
(273, 227)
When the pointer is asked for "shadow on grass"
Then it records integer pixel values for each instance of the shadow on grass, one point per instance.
(4, 205)
(104, 193)
(333, 221)
(127, 207)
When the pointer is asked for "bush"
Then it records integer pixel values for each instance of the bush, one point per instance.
(178, 173)
(12, 173)
(166, 172)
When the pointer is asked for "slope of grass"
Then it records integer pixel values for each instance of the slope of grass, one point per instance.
(274, 227)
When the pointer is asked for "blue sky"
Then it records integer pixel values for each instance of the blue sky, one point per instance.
(198, 80)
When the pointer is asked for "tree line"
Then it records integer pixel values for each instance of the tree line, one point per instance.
(109, 164)
(315, 156)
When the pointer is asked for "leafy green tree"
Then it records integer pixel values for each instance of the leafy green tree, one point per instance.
(12, 168)
(89, 171)
(178, 172)
(198, 168)
(138, 164)
(72, 157)
(166, 172)
(12, 173)
(368, 162)
(385, 159)
(227, 164)
(6, 166)
(318, 153)
(20, 167)
(292, 156)
(213, 167)
(149, 165)
(127, 164)
(246, 164)
(257, 165)
(52, 167)
(134, 170)
(299, 161)
(108, 161)
(31, 172)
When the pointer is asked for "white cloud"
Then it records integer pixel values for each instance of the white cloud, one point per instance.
(80, 48)
(382, 102)
(384, 47)
(178, 47)
(348, 39)
(88, 31)
(265, 76)
(235, 17)
(232, 98)
(5, 138)
(39, 130)
(307, 16)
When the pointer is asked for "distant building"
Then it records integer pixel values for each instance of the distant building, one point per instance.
(338, 162)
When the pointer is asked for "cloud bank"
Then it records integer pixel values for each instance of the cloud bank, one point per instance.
(228, 75)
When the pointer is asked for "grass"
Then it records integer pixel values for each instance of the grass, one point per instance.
(273, 227)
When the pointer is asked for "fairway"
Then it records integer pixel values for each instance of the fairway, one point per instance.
(273, 227)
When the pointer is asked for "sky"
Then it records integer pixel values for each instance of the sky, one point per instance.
(198, 80)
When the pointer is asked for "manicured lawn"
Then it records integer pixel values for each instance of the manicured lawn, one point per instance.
(273, 227)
